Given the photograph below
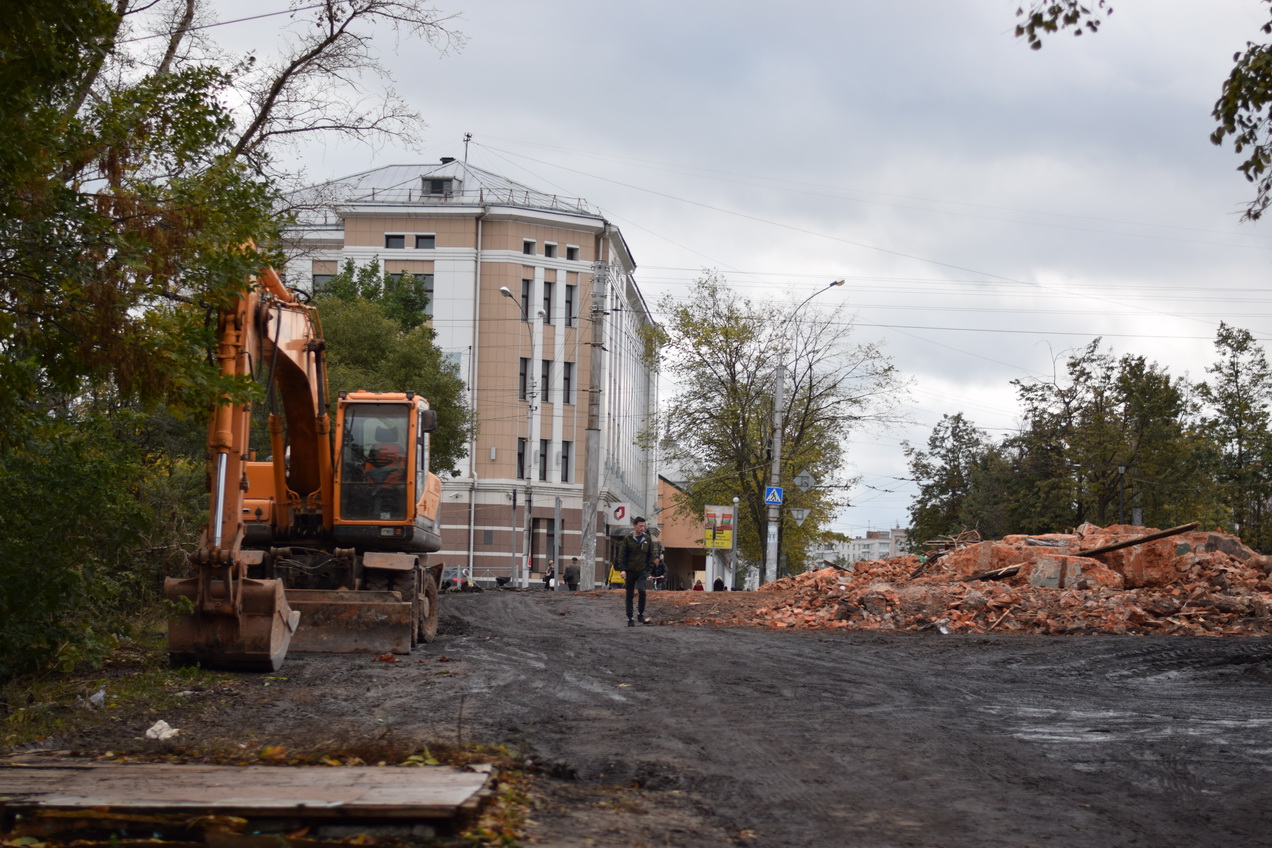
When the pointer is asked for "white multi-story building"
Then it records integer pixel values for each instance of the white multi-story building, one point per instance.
(875, 545)
(533, 296)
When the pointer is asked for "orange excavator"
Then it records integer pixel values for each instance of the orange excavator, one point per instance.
(323, 545)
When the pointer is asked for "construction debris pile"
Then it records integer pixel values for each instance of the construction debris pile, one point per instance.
(1119, 579)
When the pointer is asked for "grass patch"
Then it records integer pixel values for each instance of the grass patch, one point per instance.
(135, 677)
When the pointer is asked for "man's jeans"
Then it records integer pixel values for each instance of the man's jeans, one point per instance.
(634, 583)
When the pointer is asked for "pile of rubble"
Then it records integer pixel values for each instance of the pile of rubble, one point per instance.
(1120, 579)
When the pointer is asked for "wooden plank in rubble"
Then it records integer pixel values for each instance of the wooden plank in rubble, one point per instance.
(1138, 540)
(307, 792)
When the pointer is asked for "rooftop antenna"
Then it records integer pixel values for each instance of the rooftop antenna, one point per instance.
(467, 138)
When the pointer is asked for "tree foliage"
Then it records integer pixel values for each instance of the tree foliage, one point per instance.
(1107, 440)
(1243, 112)
(377, 340)
(721, 350)
(132, 174)
(1238, 396)
(944, 474)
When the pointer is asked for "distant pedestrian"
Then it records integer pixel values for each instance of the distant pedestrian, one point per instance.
(572, 575)
(657, 573)
(635, 556)
(548, 577)
(718, 585)
(697, 586)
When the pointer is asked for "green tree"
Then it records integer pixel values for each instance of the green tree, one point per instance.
(721, 351)
(369, 350)
(1237, 398)
(1167, 455)
(404, 297)
(943, 473)
(1243, 112)
(993, 504)
(1103, 440)
(127, 191)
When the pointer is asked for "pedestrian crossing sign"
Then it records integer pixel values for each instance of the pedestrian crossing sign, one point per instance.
(773, 495)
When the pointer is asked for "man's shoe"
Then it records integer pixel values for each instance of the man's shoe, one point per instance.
(631, 623)
(641, 618)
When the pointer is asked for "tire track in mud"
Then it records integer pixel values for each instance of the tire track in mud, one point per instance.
(886, 739)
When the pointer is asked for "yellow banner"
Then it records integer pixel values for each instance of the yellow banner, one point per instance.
(718, 530)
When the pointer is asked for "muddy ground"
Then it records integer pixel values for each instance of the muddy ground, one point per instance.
(705, 736)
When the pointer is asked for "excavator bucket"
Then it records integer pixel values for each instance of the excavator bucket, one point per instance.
(340, 621)
(211, 628)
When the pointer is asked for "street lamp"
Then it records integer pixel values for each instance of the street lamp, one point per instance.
(532, 450)
(775, 472)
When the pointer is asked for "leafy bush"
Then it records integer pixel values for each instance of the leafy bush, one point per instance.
(92, 519)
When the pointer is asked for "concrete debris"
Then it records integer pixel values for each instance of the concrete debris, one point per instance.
(1119, 580)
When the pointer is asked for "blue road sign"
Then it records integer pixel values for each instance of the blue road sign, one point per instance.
(773, 495)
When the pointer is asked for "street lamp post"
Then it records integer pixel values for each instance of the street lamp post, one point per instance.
(775, 471)
(531, 449)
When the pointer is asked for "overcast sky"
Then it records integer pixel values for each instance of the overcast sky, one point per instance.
(991, 207)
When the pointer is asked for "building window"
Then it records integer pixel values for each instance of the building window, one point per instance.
(565, 461)
(433, 186)
(394, 242)
(567, 382)
(425, 242)
(521, 459)
(525, 299)
(549, 250)
(521, 379)
(547, 299)
(547, 380)
(487, 536)
(527, 247)
(543, 459)
(321, 281)
(569, 305)
(572, 253)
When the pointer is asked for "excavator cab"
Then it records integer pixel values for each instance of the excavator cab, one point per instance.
(373, 463)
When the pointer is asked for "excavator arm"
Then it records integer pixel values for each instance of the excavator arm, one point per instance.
(222, 616)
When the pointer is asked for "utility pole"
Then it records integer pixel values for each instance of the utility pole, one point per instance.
(531, 451)
(775, 472)
(592, 462)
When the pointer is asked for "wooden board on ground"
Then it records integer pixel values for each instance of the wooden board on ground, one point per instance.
(309, 792)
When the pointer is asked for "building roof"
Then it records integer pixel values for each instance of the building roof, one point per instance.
(394, 185)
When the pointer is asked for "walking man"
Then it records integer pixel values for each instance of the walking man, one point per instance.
(572, 575)
(635, 556)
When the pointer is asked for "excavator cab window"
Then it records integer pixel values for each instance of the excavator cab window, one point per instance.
(373, 463)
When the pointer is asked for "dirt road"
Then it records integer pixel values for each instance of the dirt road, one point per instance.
(695, 737)
(830, 739)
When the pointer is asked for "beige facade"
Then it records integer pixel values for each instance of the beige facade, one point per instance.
(569, 272)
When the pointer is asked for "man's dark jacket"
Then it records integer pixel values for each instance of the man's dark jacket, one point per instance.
(635, 556)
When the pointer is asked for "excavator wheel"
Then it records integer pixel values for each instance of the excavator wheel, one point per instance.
(404, 583)
(428, 608)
